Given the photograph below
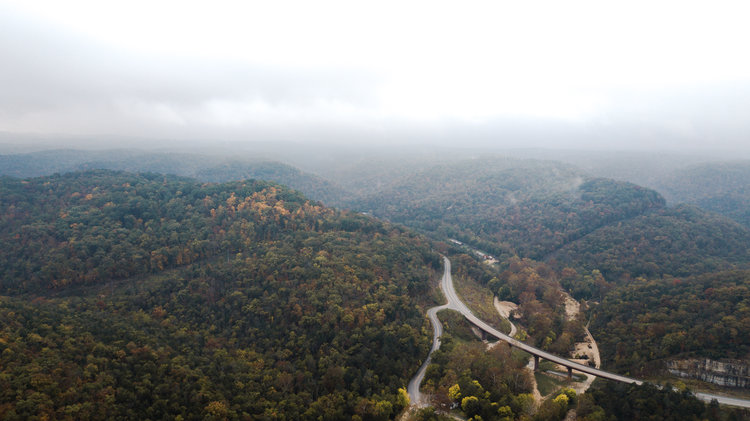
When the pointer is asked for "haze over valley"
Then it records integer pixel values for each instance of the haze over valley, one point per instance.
(335, 211)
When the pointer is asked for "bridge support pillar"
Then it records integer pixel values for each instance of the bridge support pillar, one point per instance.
(570, 374)
(536, 362)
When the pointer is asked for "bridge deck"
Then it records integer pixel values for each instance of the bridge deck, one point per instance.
(456, 304)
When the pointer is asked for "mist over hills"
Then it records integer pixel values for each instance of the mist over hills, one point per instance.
(213, 168)
(242, 210)
(679, 241)
(131, 231)
(720, 187)
(505, 204)
(598, 237)
(530, 206)
(343, 175)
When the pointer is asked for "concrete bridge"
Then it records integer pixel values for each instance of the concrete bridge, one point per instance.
(455, 303)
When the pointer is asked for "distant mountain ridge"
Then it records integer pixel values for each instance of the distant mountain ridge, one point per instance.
(528, 207)
(721, 187)
(679, 241)
(202, 167)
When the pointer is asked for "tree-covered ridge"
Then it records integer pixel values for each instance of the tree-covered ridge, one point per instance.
(296, 311)
(592, 235)
(704, 316)
(679, 241)
(524, 207)
(540, 225)
(97, 226)
(483, 382)
(212, 168)
(536, 288)
(452, 192)
(619, 401)
(721, 187)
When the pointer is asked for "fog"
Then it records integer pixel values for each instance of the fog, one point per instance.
(582, 75)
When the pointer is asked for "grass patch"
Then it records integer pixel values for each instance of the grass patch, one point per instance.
(519, 355)
(548, 384)
(430, 413)
(481, 302)
(457, 325)
(545, 365)
(576, 377)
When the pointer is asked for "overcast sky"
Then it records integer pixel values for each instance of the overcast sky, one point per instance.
(666, 74)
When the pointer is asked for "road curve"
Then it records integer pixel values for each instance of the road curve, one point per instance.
(416, 397)
(455, 303)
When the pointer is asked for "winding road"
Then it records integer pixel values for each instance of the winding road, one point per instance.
(416, 397)
(455, 303)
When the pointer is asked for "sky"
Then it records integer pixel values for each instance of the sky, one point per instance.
(640, 74)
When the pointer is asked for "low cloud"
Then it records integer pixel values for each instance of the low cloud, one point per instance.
(56, 80)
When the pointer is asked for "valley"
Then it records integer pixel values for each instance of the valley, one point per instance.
(570, 255)
(372, 211)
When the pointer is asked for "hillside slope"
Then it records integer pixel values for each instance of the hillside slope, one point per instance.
(551, 226)
(679, 241)
(510, 206)
(150, 296)
(213, 168)
(721, 187)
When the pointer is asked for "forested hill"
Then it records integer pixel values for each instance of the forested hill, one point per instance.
(713, 181)
(721, 187)
(152, 296)
(505, 205)
(704, 316)
(614, 242)
(679, 241)
(213, 168)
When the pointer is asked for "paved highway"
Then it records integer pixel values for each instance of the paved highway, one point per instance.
(724, 400)
(455, 303)
(415, 395)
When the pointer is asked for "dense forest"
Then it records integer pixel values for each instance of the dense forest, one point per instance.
(706, 315)
(721, 187)
(349, 176)
(98, 225)
(678, 241)
(618, 401)
(553, 227)
(261, 303)
(146, 296)
(489, 383)
(212, 168)
(711, 180)
(508, 206)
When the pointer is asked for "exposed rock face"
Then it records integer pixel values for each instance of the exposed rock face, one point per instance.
(730, 373)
